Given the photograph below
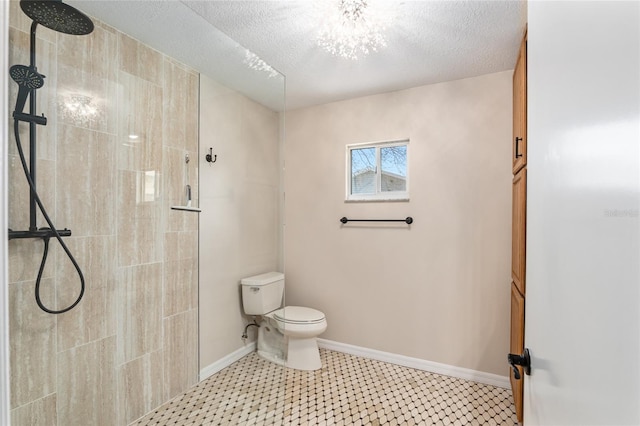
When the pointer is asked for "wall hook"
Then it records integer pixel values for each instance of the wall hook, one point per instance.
(210, 157)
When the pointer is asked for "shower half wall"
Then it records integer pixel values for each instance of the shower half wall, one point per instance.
(121, 117)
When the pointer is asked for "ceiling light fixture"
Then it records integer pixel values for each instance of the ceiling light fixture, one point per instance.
(353, 29)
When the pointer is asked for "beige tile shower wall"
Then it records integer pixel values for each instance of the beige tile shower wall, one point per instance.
(437, 290)
(240, 219)
(131, 344)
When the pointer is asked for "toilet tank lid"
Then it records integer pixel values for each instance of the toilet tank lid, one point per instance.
(263, 279)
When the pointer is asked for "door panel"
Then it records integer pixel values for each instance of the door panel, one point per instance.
(520, 110)
(518, 236)
(517, 346)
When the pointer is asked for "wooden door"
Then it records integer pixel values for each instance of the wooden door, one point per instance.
(520, 109)
(519, 221)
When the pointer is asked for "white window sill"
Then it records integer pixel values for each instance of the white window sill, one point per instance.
(377, 200)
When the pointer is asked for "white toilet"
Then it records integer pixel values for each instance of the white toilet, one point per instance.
(286, 335)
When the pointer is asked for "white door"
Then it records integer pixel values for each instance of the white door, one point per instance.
(583, 219)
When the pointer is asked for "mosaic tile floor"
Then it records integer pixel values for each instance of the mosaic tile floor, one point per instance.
(349, 390)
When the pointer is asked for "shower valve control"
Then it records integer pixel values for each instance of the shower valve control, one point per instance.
(28, 118)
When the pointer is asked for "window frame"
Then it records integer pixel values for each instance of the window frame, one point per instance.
(379, 195)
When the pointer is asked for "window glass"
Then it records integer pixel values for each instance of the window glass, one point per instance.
(393, 161)
(363, 171)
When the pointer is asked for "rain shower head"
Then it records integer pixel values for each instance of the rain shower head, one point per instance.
(57, 16)
(28, 79)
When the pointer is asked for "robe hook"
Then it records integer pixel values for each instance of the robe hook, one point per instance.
(210, 157)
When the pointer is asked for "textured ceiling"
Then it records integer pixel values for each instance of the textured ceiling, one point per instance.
(427, 42)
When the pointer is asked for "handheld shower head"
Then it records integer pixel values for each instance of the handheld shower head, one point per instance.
(28, 79)
(57, 16)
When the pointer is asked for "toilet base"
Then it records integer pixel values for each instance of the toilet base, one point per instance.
(272, 358)
(303, 354)
(271, 344)
(294, 346)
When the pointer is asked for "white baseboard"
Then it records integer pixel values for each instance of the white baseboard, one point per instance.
(405, 361)
(418, 364)
(212, 369)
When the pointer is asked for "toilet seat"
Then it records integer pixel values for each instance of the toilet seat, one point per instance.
(298, 315)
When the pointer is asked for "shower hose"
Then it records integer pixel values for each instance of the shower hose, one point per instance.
(53, 230)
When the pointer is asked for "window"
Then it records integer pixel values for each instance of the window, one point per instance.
(378, 171)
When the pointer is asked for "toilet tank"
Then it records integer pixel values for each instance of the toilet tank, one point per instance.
(262, 293)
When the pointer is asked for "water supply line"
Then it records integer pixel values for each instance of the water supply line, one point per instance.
(254, 324)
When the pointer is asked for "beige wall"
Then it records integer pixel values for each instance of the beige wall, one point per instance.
(437, 290)
(240, 219)
(131, 343)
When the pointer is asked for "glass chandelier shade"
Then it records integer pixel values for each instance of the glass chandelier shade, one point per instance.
(353, 29)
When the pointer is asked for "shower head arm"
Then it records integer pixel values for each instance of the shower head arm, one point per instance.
(32, 132)
(31, 118)
(32, 45)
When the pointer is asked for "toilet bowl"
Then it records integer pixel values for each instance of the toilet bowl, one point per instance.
(287, 334)
(301, 326)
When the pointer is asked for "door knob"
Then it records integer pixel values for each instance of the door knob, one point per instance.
(523, 360)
